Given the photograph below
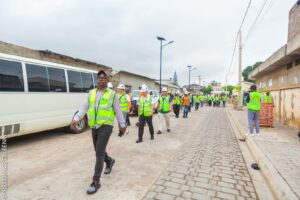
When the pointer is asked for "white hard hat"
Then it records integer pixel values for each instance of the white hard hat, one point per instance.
(144, 88)
(186, 92)
(110, 85)
(177, 92)
(164, 89)
(121, 87)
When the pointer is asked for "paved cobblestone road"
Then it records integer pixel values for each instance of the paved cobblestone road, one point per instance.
(210, 166)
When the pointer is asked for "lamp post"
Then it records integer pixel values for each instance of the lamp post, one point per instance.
(190, 69)
(161, 39)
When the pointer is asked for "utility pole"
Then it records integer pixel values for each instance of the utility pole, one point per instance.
(240, 70)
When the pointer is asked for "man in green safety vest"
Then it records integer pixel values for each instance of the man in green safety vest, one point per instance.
(102, 106)
(125, 102)
(176, 104)
(253, 99)
(268, 98)
(145, 112)
(224, 99)
(164, 107)
(196, 101)
(201, 99)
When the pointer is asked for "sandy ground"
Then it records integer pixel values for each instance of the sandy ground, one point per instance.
(58, 165)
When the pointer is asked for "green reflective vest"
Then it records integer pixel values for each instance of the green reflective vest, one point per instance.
(103, 113)
(268, 99)
(164, 104)
(224, 99)
(196, 99)
(145, 106)
(176, 100)
(254, 103)
(123, 102)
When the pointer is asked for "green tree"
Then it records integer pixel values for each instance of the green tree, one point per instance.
(207, 90)
(248, 70)
(229, 89)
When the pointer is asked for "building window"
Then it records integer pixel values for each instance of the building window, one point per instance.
(297, 62)
(57, 80)
(11, 76)
(75, 83)
(37, 78)
(289, 66)
(270, 82)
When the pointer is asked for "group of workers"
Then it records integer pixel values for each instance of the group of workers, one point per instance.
(103, 104)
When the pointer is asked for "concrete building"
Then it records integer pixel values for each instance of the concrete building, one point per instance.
(50, 56)
(132, 81)
(280, 74)
(169, 85)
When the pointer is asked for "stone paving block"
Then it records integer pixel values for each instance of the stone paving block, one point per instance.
(172, 191)
(209, 166)
(162, 196)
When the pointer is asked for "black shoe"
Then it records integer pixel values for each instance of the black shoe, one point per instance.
(168, 130)
(159, 132)
(120, 134)
(94, 186)
(109, 166)
(152, 137)
(139, 140)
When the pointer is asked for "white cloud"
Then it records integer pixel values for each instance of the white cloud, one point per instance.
(122, 33)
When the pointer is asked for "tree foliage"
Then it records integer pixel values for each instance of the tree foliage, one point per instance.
(207, 90)
(248, 70)
(229, 88)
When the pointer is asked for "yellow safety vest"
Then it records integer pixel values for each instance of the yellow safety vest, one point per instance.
(145, 106)
(103, 113)
(123, 102)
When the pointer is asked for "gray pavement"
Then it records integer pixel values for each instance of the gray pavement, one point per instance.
(281, 147)
(209, 166)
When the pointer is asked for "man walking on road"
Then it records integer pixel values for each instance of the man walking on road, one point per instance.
(253, 100)
(164, 107)
(186, 104)
(101, 105)
(145, 111)
(176, 104)
(125, 102)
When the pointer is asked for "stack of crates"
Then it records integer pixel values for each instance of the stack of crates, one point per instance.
(266, 115)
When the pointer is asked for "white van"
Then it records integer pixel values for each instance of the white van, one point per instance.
(37, 95)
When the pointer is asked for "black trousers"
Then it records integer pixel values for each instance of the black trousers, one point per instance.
(142, 120)
(100, 139)
(127, 120)
(176, 109)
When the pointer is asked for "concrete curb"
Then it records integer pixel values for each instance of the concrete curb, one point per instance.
(278, 185)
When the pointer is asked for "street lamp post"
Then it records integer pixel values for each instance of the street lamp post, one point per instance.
(190, 69)
(161, 39)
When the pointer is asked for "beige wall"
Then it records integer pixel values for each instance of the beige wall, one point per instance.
(294, 22)
(133, 81)
(286, 94)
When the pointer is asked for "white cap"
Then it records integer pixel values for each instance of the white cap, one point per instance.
(110, 85)
(121, 87)
(164, 89)
(144, 88)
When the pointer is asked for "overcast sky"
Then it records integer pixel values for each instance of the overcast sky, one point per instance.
(122, 33)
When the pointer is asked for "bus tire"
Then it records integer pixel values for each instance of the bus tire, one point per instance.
(82, 125)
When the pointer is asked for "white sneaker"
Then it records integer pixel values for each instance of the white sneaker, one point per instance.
(256, 134)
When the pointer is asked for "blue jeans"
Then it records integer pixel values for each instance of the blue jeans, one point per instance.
(185, 111)
(253, 118)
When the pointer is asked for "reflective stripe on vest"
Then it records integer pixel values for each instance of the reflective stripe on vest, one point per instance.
(164, 104)
(254, 103)
(145, 106)
(123, 102)
(103, 113)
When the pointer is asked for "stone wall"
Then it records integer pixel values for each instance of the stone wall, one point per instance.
(49, 56)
